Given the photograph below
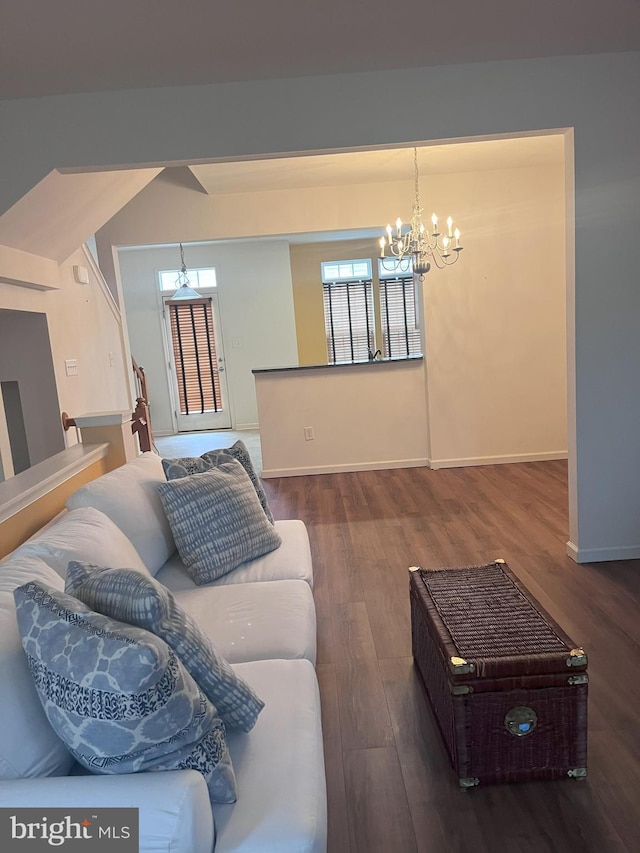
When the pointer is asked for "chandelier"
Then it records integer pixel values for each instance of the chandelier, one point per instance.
(414, 247)
(184, 291)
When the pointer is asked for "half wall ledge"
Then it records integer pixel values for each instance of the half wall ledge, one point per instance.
(32, 498)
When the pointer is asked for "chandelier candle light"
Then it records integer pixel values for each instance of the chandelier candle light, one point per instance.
(416, 246)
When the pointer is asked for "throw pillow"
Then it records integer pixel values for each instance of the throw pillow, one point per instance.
(142, 601)
(118, 696)
(217, 521)
(187, 465)
(28, 744)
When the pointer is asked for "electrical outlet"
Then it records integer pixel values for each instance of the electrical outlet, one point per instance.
(308, 434)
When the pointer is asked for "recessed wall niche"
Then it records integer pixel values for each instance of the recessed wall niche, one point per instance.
(31, 412)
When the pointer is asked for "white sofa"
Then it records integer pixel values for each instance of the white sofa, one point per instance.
(260, 616)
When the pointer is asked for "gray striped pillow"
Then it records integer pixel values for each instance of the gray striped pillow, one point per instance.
(137, 599)
(187, 465)
(217, 521)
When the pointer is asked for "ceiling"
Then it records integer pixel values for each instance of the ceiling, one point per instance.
(380, 165)
(77, 46)
(64, 209)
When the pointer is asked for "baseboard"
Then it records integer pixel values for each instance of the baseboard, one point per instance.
(600, 555)
(163, 433)
(498, 460)
(344, 469)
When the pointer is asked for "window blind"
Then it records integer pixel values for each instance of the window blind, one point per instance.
(348, 317)
(400, 332)
(194, 351)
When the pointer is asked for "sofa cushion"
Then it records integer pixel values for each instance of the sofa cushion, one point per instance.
(217, 521)
(131, 597)
(118, 695)
(187, 465)
(255, 621)
(292, 560)
(28, 745)
(279, 766)
(87, 535)
(129, 496)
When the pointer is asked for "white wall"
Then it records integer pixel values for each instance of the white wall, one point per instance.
(256, 308)
(495, 324)
(594, 95)
(83, 324)
(363, 417)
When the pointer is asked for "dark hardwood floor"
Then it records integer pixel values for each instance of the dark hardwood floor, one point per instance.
(390, 786)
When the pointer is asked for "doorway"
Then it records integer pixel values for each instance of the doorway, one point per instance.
(196, 363)
(30, 426)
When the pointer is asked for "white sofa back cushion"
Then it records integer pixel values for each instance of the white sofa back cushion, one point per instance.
(28, 745)
(85, 535)
(129, 496)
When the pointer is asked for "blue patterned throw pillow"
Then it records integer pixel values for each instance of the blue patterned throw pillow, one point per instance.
(187, 465)
(137, 599)
(118, 696)
(217, 521)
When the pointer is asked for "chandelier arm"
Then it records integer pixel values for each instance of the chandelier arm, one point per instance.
(437, 260)
(441, 262)
(396, 263)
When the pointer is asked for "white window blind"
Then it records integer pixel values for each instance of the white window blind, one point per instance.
(400, 332)
(348, 316)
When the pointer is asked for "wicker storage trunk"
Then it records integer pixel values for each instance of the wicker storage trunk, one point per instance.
(507, 685)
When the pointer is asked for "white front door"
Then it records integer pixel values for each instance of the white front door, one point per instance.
(196, 364)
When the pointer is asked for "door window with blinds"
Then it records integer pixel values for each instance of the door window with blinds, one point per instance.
(195, 357)
(348, 310)
(398, 313)
(195, 353)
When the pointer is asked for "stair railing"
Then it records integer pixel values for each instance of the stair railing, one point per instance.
(141, 419)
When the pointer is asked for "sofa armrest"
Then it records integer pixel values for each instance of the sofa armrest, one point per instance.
(175, 812)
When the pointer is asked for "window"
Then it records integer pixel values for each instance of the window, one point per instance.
(198, 279)
(348, 310)
(351, 314)
(400, 330)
